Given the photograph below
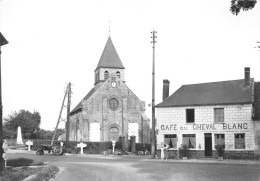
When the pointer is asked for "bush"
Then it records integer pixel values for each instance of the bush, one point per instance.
(220, 149)
(184, 150)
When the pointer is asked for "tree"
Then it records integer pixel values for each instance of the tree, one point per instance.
(29, 123)
(245, 5)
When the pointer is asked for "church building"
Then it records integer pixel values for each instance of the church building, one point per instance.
(110, 109)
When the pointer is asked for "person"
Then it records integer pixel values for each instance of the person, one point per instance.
(166, 154)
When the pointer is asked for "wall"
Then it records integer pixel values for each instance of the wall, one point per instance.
(237, 119)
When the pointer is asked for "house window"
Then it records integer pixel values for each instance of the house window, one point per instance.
(171, 140)
(106, 75)
(118, 74)
(240, 141)
(189, 140)
(190, 115)
(218, 115)
(219, 139)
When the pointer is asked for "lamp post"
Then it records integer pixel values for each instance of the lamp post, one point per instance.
(153, 146)
(3, 41)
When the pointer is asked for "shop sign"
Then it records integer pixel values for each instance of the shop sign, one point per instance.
(225, 126)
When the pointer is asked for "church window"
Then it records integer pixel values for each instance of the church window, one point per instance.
(113, 103)
(118, 74)
(106, 75)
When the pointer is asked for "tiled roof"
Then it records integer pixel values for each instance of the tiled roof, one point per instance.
(214, 93)
(109, 57)
(79, 106)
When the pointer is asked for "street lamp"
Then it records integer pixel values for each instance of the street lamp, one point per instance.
(3, 41)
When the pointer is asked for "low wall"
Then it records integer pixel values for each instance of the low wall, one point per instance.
(196, 154)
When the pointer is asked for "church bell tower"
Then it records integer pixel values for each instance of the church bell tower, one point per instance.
(109, 63)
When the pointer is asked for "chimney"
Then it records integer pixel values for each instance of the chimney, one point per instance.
(166, 85)
(247, 76)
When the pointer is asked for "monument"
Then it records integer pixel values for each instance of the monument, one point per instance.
(19, 136)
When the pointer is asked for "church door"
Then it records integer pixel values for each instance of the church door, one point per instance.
(113, 134)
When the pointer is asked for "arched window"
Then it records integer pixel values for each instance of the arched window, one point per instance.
(106, 75)
(118, 74)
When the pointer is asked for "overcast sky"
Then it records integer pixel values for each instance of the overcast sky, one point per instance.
(53, 42)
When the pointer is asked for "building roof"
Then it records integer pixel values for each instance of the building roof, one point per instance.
(214, 93)
(79, 106)
(109, 57)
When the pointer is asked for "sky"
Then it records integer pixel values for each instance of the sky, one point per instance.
(53, 42)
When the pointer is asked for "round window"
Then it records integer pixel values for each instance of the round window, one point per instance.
(113, 103)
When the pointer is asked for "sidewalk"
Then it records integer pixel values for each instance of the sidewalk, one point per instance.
(244, 162)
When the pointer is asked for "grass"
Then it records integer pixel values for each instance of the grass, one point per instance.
(21, 166)
(35, 173)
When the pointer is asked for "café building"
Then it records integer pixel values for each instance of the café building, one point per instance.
(204, 115)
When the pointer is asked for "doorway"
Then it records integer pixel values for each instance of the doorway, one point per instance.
(208, 144)
(113, 134)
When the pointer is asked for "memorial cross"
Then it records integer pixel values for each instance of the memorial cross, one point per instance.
(29, 143)
(113, 144)
(81, 145)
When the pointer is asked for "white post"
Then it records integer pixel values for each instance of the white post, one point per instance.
(5, 147)
(29, 143)
(81, 145)
(113, 144)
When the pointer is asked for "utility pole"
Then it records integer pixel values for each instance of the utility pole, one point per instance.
(3, 41)
(153, 146)
(68, 115)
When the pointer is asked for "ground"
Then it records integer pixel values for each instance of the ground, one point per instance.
(138, 168)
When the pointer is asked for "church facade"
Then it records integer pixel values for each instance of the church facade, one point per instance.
(110, 109)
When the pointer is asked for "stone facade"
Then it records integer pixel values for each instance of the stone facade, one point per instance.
(237, 119)
(110, 110)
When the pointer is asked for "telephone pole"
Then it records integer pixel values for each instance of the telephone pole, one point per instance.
(3, 41)
(153, 146)
(68, 115)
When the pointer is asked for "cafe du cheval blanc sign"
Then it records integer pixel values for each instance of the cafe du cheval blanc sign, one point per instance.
(201, 127)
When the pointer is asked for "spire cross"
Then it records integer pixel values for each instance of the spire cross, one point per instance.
(109, 22)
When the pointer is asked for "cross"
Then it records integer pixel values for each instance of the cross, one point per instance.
(109, 22)
(113, 144)
(81, 145)
(29, 143)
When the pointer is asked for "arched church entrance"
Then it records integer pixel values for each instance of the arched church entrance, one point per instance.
(113, 133)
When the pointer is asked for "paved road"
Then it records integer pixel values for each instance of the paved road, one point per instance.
(102, 168)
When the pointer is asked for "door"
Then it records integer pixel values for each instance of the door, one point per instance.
(113, 134)
(208, 144)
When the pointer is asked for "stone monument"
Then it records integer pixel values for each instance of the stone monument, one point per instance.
(19, 136)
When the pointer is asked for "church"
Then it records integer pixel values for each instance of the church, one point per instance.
(110, 109)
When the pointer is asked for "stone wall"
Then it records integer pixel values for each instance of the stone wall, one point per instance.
(237, 119)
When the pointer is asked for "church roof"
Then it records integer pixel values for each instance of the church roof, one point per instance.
(214, 93)
(109, 57)
(79, 106)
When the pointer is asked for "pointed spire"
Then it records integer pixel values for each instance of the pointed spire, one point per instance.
(109, 57)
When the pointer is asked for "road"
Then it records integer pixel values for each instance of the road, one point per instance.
(107, 168)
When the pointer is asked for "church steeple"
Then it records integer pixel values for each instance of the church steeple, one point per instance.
(109, 62)
(109, 57)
